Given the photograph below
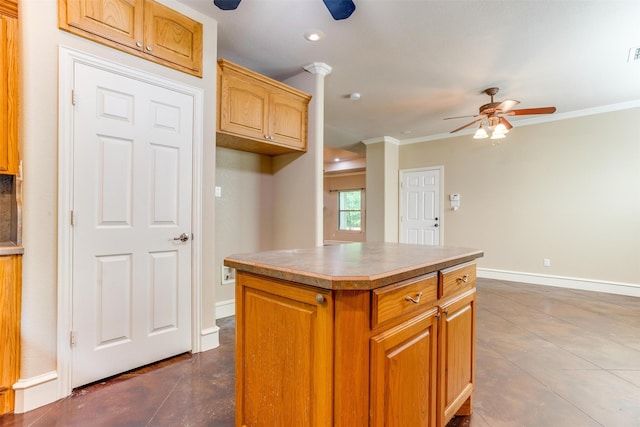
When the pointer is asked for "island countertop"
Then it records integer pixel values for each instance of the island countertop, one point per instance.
(356, 266)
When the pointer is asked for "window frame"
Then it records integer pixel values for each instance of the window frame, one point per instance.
(361, 210)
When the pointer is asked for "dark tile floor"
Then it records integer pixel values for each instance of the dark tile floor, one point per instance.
(545, 357)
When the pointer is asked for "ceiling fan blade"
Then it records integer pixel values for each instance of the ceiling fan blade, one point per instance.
(467, 125)
(340, 9)
(227, 4)
(507, 105)
(525, 111)
(461, 117)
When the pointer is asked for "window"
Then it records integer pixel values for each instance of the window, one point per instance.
(350, 210)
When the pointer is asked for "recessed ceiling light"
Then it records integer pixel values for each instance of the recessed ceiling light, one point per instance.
(354, 96)
(406, 132)
(314, 35)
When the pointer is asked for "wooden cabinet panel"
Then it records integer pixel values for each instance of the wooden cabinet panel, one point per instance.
(403, 374)
(143, 28)
(172, 37)
(9, 161)
(258, 114)
(456, 279)
(284, 366)
(243, 107)
(393, 301)
(10, 305)
(120, 21)
(288, 120)
(456, 355)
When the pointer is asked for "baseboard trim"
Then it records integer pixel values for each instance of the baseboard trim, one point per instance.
(225, 308)
(34, 392)
(628, 289)
(209, 338)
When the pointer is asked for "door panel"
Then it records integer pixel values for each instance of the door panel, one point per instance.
(420, 207)
(132, 197)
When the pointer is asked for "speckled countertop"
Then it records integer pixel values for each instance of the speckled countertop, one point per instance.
(352, 265)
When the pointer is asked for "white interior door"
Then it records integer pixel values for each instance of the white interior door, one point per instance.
(132, 190)
(420, 207)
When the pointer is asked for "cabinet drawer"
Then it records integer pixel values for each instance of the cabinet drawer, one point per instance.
(456, 279)
(404, 297)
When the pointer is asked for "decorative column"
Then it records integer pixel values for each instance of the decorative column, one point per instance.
(320, 70)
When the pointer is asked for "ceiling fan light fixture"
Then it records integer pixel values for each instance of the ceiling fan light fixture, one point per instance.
(480, 133)
(497, 135)
(501, 129)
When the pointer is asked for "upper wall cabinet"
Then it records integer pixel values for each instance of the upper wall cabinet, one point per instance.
(258, 114)
(9, 87)
(143, 28)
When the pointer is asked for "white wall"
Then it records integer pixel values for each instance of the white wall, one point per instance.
(567, 190)
(40, 38)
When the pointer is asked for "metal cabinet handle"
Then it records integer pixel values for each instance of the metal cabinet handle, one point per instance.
(149, 48)
(183, 237)
(319, 298)
(464, 279)
(414, 300)
(139, 44)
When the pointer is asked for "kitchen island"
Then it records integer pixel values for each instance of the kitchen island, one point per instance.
(358, 334)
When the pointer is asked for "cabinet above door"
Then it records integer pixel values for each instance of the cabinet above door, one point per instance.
(143, 28)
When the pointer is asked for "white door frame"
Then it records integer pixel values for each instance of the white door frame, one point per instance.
(440, 169)
(67, 59)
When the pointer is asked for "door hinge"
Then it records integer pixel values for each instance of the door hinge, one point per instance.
(73, 97)
(72, 220)
(72, 338)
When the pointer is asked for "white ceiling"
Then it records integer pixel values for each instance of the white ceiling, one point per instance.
(416, 62)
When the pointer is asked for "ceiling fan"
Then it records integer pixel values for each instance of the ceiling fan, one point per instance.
(339, 9)
(491, 116)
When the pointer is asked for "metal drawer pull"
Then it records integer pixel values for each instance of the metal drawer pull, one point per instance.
(464, 279)
(319, 298)
(416, 300)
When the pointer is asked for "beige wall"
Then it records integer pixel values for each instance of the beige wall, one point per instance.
(330, 200)
(40, 39)
(382, 190)
(244, 213)
(567, 190)
(297, 186)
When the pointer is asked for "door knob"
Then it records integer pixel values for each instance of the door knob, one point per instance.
(436, 224)
(183, 237)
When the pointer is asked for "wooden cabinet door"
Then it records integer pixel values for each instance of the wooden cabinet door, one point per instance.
(10, 304)
(403, 374)
(456, 356)
(173, 37)
(243, 106)
(120, 21)
(284, 365)
(288, 120)
(8, 88)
